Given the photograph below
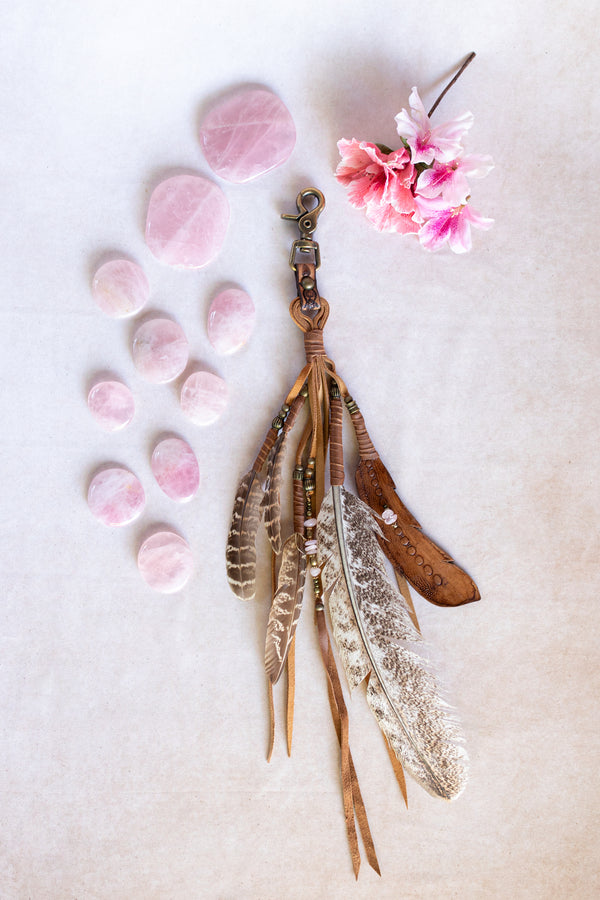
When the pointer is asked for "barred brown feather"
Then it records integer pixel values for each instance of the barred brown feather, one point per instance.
(286, 607)
(241, 542)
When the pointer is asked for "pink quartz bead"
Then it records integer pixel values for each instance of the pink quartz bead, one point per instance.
(165, 562)
(203, 397)
(175, 468)
(160, 350)
(187, 221)
(389, 516)
(120, 288)
(230, 320)
(115, 496)
(112, 405)
(247, 134)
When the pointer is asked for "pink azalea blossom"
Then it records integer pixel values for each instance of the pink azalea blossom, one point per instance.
(428, 142)
(449, 180)
(379, 181)
(449, 224)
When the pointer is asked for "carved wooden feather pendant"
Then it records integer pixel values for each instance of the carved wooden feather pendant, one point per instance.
(339, 543)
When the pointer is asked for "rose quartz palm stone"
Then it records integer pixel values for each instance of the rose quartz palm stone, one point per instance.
(160, 350)
(115, 496)
(112, 405)
(120, 288)
(230, 320)
(247, 134)
(203, 397)
(175, 467)
(165, 562)
(187, 221)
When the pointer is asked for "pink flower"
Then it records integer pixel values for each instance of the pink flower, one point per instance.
(379, 181)
(452, 224)
(449, 180)
(427, 142)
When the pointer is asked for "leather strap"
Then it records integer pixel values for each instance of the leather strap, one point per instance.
(352, 797)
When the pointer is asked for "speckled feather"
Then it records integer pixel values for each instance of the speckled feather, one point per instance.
(376, 638)
(286, 606)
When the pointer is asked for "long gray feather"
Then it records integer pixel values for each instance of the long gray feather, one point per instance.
(376, 638)
(241, 542)
(286, 606)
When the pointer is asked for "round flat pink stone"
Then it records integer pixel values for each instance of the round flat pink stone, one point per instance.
(116, 496)
(165, 562)
(120, 288)
(175, 468)
(230, 320)
(203, 397)
(112, 405)
(160, 350)
(187, 221)
(247, 134)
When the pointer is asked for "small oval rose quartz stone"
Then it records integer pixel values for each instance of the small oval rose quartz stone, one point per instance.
(187, 221)
(175, 468)
(230, 320)
(160, 350)
(165, 562)
(120, 288)
(112, 405)
(247, 134)
(115, 496)
(203, 397)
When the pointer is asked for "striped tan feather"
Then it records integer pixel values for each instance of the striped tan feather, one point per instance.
(241, 542)
(286, 607)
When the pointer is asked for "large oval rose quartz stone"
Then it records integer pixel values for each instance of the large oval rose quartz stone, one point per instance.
(160, 350)
(120, 288)
(112, 405)
(175, 468)
(165, 562)
(187, 221)
(203, 397)
(247, 134)
(230, 320)
(115, 496)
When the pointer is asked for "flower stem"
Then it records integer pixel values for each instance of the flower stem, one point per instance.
(468, 60)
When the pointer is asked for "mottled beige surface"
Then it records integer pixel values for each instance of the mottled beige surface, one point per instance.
(132, 725)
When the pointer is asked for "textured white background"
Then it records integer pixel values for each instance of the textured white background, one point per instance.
(133, 726)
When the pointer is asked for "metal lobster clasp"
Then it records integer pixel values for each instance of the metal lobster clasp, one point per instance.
(307, 222)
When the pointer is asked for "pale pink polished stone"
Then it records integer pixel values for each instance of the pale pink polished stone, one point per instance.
(160, 350)
(187, 221)
(175, 468)
(230, 320)
(112, 405)
(203, 397)
(246, 134)
(165, 562)
(120, 288)
(116, 496)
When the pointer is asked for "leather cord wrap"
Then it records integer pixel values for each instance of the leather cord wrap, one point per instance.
(352, 797)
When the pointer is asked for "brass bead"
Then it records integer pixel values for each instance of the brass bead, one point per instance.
(334, 391)
(277, 423)
(308, 283)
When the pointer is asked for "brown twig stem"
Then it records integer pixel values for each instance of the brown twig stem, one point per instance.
(468, 60)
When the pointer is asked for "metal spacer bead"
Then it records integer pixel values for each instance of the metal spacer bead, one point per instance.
(277, 423)
(319, 606)
(309, 486)
(298, 474)
(304, 391)
(285, 409)
(334, 391)
(351, 405)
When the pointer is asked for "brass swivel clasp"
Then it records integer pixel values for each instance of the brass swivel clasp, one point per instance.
(307, 222)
